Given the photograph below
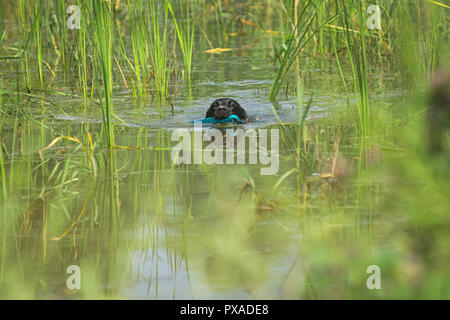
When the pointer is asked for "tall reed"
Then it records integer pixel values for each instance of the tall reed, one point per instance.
(301, 35)
(103, 34)
(139, 43)
(25, 35)
(185, 32)
(2, 24)
(38, 40)
(356, 48)
(158, 34)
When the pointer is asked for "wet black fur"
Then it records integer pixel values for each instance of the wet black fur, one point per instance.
(225, 107)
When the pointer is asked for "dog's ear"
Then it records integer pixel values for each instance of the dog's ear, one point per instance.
(239, 111)
(211, 110)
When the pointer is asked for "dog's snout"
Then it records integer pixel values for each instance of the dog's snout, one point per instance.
(224, 107)
(222, 111)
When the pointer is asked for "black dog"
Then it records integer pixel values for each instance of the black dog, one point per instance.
(224, 107)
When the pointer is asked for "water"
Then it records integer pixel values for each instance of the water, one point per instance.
(165, 224)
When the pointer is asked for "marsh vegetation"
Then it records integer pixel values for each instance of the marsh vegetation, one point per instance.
(87, 113)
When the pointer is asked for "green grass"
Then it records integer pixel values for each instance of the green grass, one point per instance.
(2, 25)
(356, 48)
(139, 44)
(301, 34)
(158, 33)
(102, 20)
(185, 34)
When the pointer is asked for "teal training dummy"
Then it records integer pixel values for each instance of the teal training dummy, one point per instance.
(231, 119)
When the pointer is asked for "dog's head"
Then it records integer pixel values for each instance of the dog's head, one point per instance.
(225, 107)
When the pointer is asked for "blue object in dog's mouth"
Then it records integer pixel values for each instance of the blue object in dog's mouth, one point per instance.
(231, 119)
